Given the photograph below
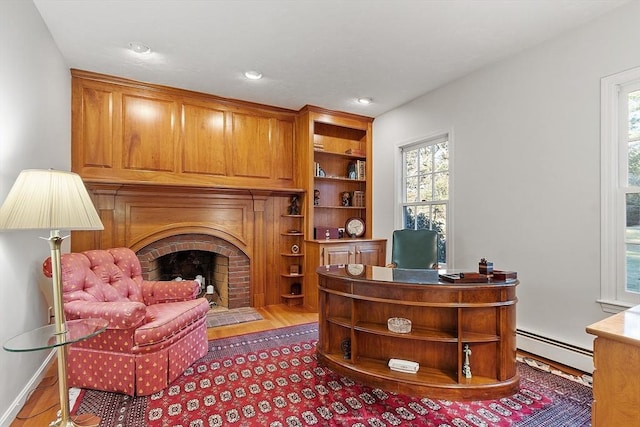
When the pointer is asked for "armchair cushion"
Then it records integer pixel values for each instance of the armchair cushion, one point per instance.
(156, 328)
(155, 292)
(163, 320)
(121, 315)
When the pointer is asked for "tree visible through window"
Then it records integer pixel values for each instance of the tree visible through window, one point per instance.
(425, 193)
(630, 137)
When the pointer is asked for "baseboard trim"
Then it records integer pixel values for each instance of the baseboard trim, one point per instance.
(552, 349)
(17, 404)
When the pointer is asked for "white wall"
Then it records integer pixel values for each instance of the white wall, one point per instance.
(526, 150)
(35, 132)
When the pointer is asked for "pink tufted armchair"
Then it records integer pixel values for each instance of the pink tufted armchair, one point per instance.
(156, 329)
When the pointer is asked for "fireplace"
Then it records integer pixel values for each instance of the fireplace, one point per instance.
(187, 256)
(210, 269)
(239, 226)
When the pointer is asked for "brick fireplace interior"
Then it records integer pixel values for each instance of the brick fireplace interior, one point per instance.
(188, 256)
(211, 270)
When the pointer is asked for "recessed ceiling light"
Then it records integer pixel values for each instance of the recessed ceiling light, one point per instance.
(139, 48)
(253, 75)
(365, 101)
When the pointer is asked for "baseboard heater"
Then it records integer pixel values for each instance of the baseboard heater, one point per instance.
(556, 343)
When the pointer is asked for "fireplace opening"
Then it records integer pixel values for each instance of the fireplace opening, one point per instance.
(222, 265)
(209, 269)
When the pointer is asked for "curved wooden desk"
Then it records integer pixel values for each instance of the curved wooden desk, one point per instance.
(444, 316)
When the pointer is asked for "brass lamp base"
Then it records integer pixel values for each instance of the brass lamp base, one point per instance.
(82, 420)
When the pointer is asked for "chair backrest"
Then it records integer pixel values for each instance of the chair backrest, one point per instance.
(108, 275)
(415, 249)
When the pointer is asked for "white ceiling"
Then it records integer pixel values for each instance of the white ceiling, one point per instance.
(318, 52)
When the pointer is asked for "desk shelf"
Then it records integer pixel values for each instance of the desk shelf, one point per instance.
(417, 333)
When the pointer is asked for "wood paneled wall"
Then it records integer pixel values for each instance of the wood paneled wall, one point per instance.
(125, 131)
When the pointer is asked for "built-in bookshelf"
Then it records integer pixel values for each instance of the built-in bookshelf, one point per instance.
(337, 149)
(338, 177)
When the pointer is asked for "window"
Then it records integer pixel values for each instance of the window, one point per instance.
(620, 277)
(425, 188)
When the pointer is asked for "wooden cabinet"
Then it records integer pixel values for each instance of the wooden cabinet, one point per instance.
(336, 254)
(125, 131)
(339, 252)
(370, 252)
(616, 357)
(345, 251)
(445, 318)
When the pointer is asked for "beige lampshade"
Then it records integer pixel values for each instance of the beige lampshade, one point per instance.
(51, 200)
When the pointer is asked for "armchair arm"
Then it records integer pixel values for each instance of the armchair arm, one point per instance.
(155, 292)
(121, 315)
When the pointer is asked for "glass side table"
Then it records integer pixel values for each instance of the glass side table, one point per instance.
(46, 337)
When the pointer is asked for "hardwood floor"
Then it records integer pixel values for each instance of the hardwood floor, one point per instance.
(42, 405)
(553, 365)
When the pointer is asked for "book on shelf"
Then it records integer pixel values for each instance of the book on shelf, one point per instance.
(357, 199)
(361, 169)
(317, 170)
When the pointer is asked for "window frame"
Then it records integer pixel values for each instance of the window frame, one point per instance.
(613, 295)
(401, 188)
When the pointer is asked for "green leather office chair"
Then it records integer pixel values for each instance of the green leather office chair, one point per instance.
(414, 249)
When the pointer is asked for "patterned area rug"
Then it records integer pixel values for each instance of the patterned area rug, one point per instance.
(231, 316)
(272, 379)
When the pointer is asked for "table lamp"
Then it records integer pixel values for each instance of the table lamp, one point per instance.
(51, 200)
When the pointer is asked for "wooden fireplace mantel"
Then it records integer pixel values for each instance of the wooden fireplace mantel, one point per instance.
(148, 188)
